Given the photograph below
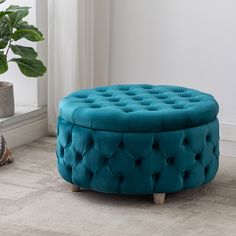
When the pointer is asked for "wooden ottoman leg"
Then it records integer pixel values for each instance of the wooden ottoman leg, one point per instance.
(159, 198)
(75, 188)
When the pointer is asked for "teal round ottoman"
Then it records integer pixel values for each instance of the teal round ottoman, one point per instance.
(138, 139)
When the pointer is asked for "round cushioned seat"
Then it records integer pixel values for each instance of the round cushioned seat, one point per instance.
(138, 139)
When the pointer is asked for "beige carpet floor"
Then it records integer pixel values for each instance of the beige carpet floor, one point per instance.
(34, 200)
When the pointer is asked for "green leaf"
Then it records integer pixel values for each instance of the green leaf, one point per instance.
(2, 1)
(3, 63)
(3, 13)
(3, 43)
(17, 16)
(25, 52)
(29, 34)
(25, 25)
(17, 13)
(6, 29)
(22, 24)
(30, 67)
(16, 8)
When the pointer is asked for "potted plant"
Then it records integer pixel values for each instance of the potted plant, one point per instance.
(13, 28)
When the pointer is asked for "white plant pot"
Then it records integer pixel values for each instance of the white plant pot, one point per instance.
(7, 107)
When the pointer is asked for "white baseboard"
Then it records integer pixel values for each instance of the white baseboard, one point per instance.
(27, 133)
(227, 148)
(228, 132)
(228, 139)
(27, 125)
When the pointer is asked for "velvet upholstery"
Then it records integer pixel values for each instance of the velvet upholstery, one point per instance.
(128, 153)
(138, 108)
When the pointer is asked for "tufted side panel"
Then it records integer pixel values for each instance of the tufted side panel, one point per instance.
(138, 163)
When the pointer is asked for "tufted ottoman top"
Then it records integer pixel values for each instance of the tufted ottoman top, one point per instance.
(138, 108)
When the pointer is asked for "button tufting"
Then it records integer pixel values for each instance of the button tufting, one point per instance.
(91, 142)
(161, 96)
(169, 102)
(185, 142)
(148, 95)
(170, 160)
(69, 138)
(127, 110)
(121, 178)
(208, 137)
(81, 96)
(121, 104)
(180, 90)
(79, 156)
(156, 176)
(145, 103)
(122, 146)
(114, 99)
(155, 145)
(185, 174)
(95, 106)
(138, 162)
(184, 95)
(107, 95)
(89, 101)
(137, 98)
(198, 157)
(215, 150)
(152, 108)
(178, 106)
(206, 170)
(154, 92)
(106, 160)
(130, 93)
(62, 151)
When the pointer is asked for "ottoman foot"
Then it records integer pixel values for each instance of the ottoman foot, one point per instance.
(75, 188)
(159, 198)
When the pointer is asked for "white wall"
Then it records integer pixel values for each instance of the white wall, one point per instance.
(101, 41)
(26, 89)
(42, 48)
(185, 42)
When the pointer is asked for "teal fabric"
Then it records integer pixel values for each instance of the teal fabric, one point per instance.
(138, 108)
(181, 153)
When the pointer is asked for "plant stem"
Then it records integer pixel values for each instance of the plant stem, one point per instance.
(8, 47)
